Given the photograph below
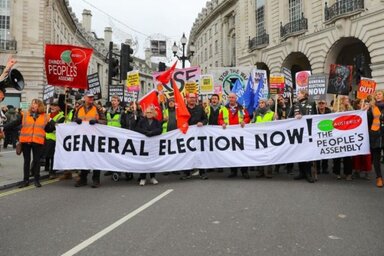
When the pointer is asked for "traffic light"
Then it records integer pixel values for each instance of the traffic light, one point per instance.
(113, 67)
(126, 60)
(162, 66)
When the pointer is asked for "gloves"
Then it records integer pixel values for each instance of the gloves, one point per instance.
(92, 121)
(78, 120)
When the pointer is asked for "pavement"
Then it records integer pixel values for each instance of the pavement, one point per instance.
(11, 169)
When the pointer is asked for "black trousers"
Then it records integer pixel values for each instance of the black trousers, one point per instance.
(242, 169)
(322, 165)
(347, 164)
(144, 175)
(95, 176)
(376, 157)
(37, 150)
(305, 169)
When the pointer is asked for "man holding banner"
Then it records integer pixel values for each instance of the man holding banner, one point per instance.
(304, 107)
(234, 114)
(198, 118)
(91, 114)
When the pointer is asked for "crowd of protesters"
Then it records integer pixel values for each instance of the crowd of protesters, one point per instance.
(144, 121)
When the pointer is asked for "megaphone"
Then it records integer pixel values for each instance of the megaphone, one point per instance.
(13, 80)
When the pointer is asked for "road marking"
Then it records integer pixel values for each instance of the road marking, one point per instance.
(6, 152)
(110, 228)
(31, 186)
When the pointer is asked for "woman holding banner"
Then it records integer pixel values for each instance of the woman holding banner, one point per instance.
(341, 105)
(149, 126)
(376, 133)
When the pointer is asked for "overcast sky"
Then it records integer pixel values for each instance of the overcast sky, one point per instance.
(157, 19)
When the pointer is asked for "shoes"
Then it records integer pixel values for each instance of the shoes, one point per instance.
(245, 176)
(185, 177)
(232, 175)
(24, 184)
(80, 183)
(95, 184)
(338, 177)
(366, 176)
(142, 182)
(37, 184)
(153, 181)
(203, 177)
(259, 174)
(349, 177)
(379, 182)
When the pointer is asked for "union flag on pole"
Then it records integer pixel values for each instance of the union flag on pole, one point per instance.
(151, 99)
(182, 113)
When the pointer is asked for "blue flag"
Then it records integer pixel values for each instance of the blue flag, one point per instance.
(259, 92)
(249, 96)
(239, 91)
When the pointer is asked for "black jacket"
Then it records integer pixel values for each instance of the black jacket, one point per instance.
(197, 115)
(148, 128)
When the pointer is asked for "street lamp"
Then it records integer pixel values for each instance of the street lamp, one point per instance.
(183, 57)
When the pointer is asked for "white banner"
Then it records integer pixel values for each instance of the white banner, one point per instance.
(287, 141)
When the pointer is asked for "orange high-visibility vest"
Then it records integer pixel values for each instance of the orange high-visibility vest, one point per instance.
(376, 119)
(86, 116)
(32, 131)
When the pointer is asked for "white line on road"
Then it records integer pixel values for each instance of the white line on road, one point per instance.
(108, 229)
(6, 152)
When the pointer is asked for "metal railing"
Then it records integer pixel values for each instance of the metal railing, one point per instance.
(8, 45)
(258, 41)
(341, 8)
(294, 27)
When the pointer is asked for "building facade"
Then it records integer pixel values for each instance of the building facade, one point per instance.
(296, 34)
(26, 26)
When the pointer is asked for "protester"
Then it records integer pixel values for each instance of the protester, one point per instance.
(234, 114)
(322, 165)
(34, 125)
(198, 118)
(362, 164)
(304, 107)
(149, 126)
(11, 133)
(343, 105)
(284, 111)
(56, 117)
(213, 111)
(169, 116)
(129, 121)
(113, 116)
(91, 114)
(263, 114)
(376, 133)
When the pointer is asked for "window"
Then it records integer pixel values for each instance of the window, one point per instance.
(215, 28)
(294, 10)
(260, 17)
(205, 54)
(216, 47)
(210, 50)
(4, 22)
(4, 4)
(216, 63)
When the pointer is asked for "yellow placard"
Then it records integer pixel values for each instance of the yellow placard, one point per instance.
(206, 84)
(133, 81)
(191, 87)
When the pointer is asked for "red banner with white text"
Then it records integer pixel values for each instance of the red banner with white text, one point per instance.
(67, 65)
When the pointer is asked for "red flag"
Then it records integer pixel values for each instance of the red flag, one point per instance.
(67, 65)
(166, 75)
(182, 113)
(150, 99)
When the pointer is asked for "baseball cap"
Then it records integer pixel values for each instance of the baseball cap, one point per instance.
(89, 93)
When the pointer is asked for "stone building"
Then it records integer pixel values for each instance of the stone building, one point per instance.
(296, 34)
(26, 26)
